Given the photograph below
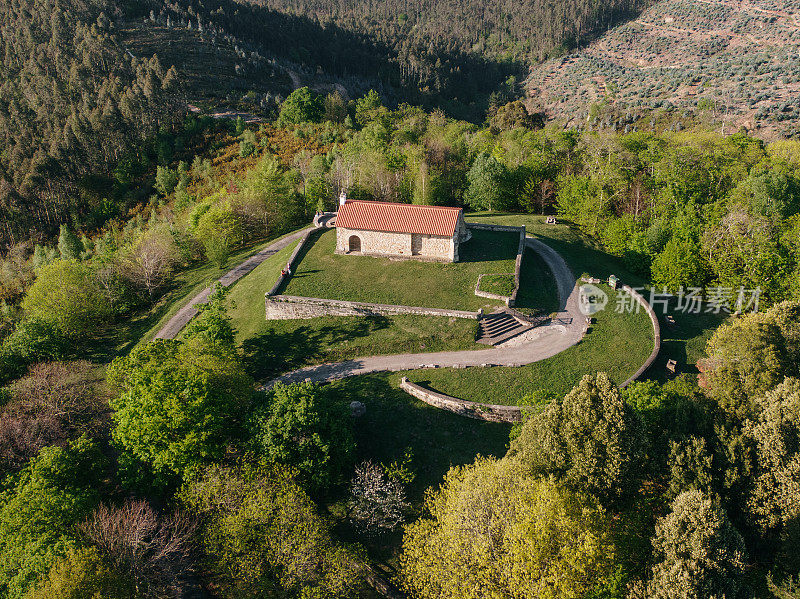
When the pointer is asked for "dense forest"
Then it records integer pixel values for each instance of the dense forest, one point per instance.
(75, 110)
(164, 472)
(138, 469)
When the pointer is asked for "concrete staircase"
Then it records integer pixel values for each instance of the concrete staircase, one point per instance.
(500, 326)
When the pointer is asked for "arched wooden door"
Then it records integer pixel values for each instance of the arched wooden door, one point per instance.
(354, 244)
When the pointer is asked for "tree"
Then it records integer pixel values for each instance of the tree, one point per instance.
(54, 491)
(67, 294)
(263, 537)
(153, 551)
(266, 203)
(166, 180)
(148, 263)
(515, 115)
(49, 405)
(495, 531)
(487, 181)
(690, 465)
(219, 230)
(69, 246)
(377, 503)
(83, 574)
(335, 108)
(698, 552)
(177, 404)
(680, 264)
(776, 433)
(746, 358)
(248, 144)
(591, 438)
(303, 428)
(301, 106)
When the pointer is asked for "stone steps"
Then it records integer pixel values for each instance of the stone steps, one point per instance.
(500, 326)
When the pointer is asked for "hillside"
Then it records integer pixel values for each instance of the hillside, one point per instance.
(728, 61)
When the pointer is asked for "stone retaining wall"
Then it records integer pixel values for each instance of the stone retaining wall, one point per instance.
(512, 299)
(489, 412)
(285, 307)
(656, 335)
(293, 260)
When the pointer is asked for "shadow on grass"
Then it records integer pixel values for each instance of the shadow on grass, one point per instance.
(489, 246)
(273, 352)
(395, 422)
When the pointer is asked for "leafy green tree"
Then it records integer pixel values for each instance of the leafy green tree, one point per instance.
(69, 246)
(213, 325)
(263, 538)
(166, 180)
(591, 438)
(776, 481)
(680, 264)
(514, 115)
(301, 106)
(746, 358)
(177, 405)
(82, 574)
(303, 428)
(335, 108)
(698, 553)
(368, 107)
(67, 294)
(247, 145)
(487, 184)
(219, 230)
(267, 202)
(37, 508)
(691, 467)
(496, 531)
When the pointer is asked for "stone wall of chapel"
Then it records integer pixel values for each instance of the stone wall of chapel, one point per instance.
(396, 244)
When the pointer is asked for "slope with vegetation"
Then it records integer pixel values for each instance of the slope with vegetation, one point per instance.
(164, 472)
(726, 62)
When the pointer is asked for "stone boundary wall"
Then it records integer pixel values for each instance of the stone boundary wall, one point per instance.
(512, 299)
(285, 307)
(479, 411)
(292, 260)
(656, 335)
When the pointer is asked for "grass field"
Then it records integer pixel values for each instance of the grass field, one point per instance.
(685, 343)
(321, 273)
(278, 346)
(617, 344)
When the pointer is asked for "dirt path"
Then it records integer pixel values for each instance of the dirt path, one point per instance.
(562, 332)
(182, 317)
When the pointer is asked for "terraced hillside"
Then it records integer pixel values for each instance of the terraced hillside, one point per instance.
(732, 62)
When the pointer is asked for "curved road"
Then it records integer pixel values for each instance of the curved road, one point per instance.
(182, 317)
(563, 331)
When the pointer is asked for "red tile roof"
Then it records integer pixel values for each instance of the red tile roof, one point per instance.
(398, 218)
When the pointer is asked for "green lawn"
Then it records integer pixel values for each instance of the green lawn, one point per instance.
(321, 273)
(184, 287)
(498, 284)
(246, 299)
(279, 346)
(617, 344)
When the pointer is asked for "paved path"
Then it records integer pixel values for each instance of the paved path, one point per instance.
(563, 331)
(182, 317)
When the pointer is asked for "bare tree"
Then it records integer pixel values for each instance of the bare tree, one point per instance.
(154, 549)
(149, 263)
(52, 403)
(377, 503)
